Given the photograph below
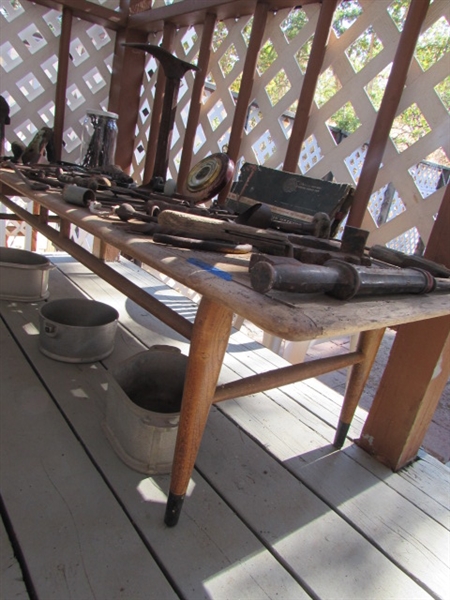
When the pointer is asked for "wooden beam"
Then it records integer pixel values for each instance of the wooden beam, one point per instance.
(193, 12)
(438, 247)
(88, 11)
(315, 62)
(61, 81)
(387, 112)
(126, 81)
(196, 99)
(246, 88)
(415, 375)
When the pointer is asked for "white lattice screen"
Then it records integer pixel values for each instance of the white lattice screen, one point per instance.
(29, 49)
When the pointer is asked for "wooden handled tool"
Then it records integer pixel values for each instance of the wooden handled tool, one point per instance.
(206, 245)
(205, 228)
(400, 259)
(343, 280)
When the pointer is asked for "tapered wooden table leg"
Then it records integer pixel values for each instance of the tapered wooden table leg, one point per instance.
(368, 344)
(208, 345)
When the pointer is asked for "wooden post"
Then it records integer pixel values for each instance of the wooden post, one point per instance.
(104, 251)
(246, 88)
(196, 99)
(126, 82)
(386, 114)
(415, 375)
(313, 69)
(61, 81)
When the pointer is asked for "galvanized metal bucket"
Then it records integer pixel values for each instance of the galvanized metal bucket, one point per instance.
(77, 330)
(23, 275)
(142, 423)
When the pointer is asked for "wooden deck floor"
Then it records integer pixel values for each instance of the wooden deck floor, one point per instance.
(273, 510)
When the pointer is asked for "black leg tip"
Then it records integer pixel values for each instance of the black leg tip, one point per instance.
(341, 434)
(173, 509)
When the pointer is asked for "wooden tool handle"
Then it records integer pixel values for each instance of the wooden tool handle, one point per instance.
(204, 227)
(399, 259)
(212, 229)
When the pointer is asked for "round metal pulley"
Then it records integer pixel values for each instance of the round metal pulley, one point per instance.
(208, 177)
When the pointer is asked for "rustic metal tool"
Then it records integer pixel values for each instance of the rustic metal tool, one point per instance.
(354, 240)
(206, 245)
(208, 177)
(174, 69)
(126, 211)
(258, 215)
(343, 280)
(200, 227)
(400, 259)
(33, 185)
(319, 227)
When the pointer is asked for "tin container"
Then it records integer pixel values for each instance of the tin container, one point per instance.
(77, 330)
(23, 275)
(142, 422)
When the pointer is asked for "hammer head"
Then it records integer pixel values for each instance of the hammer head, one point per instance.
(173, 67)
(322, 225)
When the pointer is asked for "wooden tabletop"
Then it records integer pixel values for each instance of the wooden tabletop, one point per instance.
(225, 279)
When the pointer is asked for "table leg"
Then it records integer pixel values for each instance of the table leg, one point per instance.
(409, 392)
(368, 344)
(209, 342)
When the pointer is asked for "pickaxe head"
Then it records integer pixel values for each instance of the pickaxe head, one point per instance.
(173, 67)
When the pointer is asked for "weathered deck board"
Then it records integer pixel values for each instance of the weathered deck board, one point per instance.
(75, 538)
(263, 521)
(11, 579)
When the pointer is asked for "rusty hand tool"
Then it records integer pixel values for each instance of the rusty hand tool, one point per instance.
(320, 226)
(33, 185)
(206, 245)
(208, 177)
(155, 207)
(206, 228)
(257, 215)
(400, 259)
(343, 280)
(174, 69)
(126, 211)
(351, 248)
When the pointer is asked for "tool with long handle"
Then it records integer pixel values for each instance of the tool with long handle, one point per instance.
(206, 228)
(400, 259)
(33, 185)
(174, 70)
(206, 245)
(343, 280)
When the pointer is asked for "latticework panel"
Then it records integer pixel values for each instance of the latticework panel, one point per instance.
(29, 63)
(415, 197)
(29, 60)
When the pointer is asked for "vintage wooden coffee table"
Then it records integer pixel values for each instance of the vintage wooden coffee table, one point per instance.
(224, 285)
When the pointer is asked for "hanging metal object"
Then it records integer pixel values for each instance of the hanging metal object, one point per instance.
(174, 69)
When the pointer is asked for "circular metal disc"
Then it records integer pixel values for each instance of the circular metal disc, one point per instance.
(208, 177)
